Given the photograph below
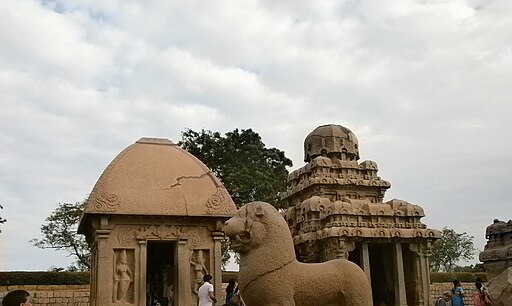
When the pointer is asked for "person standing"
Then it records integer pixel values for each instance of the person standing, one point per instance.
(481, 297)
(16, 298)
(205, 293)
(458, 294)
(231, 289)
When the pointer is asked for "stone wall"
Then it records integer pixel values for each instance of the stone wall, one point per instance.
(53, 295)
(78, 295)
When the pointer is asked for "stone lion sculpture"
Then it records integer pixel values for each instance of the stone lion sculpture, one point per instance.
(271, 275)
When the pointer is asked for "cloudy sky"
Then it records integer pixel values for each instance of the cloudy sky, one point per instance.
(425, 85)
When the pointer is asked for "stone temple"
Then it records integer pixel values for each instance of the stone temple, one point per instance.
(154, 222)
(336, 210)
(497, 254)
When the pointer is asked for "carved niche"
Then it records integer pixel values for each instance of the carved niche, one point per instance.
(199, 267)
(123, 276)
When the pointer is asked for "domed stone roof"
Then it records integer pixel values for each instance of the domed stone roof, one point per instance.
(156, 177)
(331, 139)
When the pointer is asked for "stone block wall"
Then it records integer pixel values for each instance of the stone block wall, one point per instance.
(53, 295)
(78, 295)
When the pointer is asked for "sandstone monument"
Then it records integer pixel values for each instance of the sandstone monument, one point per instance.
(497, 259)
(336, 210)
(270, 275)
(154, 222)
(497, 253)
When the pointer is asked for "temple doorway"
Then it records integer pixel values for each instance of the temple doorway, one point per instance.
(161, 275)
(382, 276)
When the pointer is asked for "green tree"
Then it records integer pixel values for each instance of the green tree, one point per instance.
(248, 169)
(2, 220)
(450, 249)
(59, 233)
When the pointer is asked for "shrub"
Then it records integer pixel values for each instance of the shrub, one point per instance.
(448, 277)
(44, 278)
(227, 275)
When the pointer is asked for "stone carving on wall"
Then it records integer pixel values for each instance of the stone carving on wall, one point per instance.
(341, 248)
(123, 278)
(198, 268)
(161, 232)
(126, 238)
(107, 202)
(196, 237)
(217, 203)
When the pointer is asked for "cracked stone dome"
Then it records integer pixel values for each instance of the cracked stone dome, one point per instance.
(156, 177)
(333, 141)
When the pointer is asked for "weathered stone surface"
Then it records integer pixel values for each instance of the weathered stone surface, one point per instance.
(500, 288)
(271, 275)
(497, 254)
(154, 222)
(158, 172)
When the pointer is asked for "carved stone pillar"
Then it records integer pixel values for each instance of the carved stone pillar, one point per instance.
(184, 282)
(104, 268)
(425, 269)
(365, 260)
(140, 286)
(217, 272)
(421, 252)
(418, 276)
(400, 293)
(338, 248)
(94, 273)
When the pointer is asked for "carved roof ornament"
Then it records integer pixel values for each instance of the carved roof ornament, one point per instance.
(106, 202)
(217, 203)
(331, 140)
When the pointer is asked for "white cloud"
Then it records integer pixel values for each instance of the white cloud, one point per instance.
(423, 84)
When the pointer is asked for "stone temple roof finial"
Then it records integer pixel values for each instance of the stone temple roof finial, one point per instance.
(331, 140)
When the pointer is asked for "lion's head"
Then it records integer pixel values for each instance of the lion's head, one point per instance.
(248, 228)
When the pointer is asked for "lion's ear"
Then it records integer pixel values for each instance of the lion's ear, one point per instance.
(259, 211)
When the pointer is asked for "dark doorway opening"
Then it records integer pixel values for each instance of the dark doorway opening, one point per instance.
(355, 255)
(161, 273)
(381, 269)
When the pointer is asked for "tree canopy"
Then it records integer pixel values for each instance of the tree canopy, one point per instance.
(248, 170)
(450, 249)
(59, 233)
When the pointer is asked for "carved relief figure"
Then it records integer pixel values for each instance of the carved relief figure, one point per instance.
(123, 278)
(198, 268)
(270, 274)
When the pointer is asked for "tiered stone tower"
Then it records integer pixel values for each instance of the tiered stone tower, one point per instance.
(336, 210)
(497, 254)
